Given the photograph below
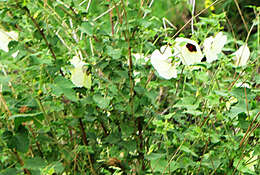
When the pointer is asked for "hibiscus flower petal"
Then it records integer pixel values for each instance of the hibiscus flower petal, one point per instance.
(162, 62)
(242, 55)
(188, 50)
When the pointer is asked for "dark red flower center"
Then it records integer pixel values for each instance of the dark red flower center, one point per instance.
(191, 47)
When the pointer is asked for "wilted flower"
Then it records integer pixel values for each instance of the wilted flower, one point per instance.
(78, 77)
(213, 46)
(241, 56)
(163, 64)
(188, 51)
(5, 38)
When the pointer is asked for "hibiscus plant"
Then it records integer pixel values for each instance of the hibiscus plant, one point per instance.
(129, 87)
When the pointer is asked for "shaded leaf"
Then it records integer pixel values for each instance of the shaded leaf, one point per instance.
(102, 102)
(34, 163)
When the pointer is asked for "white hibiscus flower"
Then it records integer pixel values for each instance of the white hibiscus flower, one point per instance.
(188, 51)
(241, 56)
(78, 76)
(213, 46)
(163, 64)
(5, 38)
(76, 62)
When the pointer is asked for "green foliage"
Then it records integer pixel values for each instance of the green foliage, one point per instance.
(126, 119)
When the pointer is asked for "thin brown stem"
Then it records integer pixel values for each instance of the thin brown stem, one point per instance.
(37, 143)
(43, 36)
(195, 17)
(111, 20)
(232, 31)
(205, 148)
(26, 171)
(232, 84)
(248, 115)
(83, 133)
(130, 67)
(240, 13)
(177, 150)
(85, 141)
(141, 145)
(150, 76)
(2, 100)
(248, 129)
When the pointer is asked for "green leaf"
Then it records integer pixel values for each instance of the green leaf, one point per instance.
(188, 150)
(240, 165)
(19, 141)
(126, 129)
(257, 78)
(7, 135)
(154, 156)
(87, 28)
(102, 102)
(242, 121)
(239, 93)
(63, 86)
(20, 118)
(202, 76)
(4, 79)
(158, 165)
(113, 138)
(113, 52)
(168, 116)
(193, 112)
(213, 100)
(58, 166)
(237, 109)
(22, 144)
(223, 93)
(161, 165)
(187, 103)
(10, 140)
(8, 171)
(87, 81)
(34, 163)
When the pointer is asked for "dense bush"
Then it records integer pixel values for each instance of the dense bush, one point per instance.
(84, 88)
